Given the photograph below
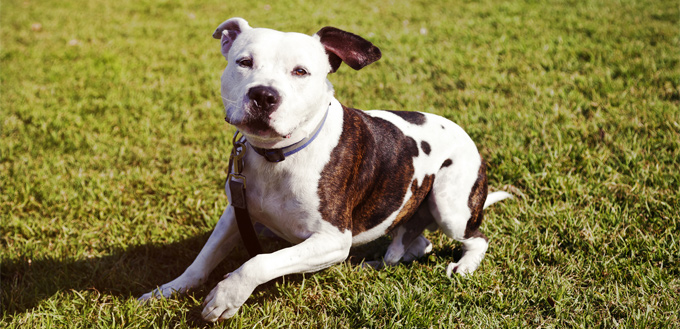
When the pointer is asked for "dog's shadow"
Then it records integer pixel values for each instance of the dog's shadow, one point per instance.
(133, 271)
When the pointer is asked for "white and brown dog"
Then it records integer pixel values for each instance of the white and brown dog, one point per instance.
(347, 176)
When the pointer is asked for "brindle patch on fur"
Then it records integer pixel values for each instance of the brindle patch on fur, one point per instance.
(365, 181)
(476, 203)
(418, 195)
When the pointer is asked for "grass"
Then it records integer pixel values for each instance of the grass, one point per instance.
(113, 154)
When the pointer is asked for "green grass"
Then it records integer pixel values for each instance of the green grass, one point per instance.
(113, 151)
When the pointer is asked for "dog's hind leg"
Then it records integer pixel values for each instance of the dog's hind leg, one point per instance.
(474, 248)
(457, 201)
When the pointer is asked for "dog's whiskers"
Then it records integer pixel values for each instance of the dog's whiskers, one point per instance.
(228, 102)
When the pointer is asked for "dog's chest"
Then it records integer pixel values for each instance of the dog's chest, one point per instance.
(284, 196)
(284, 201)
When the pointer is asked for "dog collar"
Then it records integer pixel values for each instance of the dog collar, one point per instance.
(278, 155)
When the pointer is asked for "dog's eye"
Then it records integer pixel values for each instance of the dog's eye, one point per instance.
(245, 62)
(299, 71)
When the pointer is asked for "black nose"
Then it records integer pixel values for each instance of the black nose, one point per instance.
(264, 98)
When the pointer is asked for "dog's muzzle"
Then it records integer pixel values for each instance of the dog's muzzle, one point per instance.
(261, 102)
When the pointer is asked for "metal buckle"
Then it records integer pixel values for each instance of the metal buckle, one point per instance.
(231, 176)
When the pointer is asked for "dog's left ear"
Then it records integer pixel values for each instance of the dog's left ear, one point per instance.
(228, 31)
(342, 46)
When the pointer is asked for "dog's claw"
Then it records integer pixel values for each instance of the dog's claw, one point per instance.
(458, 268)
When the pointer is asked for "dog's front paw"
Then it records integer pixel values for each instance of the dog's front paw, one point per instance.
(225, 300)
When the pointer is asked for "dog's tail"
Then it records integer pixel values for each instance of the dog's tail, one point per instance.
(495, 197)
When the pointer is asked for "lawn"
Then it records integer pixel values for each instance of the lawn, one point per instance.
(113, 152)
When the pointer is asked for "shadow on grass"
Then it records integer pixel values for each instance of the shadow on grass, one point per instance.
(136, 270)
(126, 272)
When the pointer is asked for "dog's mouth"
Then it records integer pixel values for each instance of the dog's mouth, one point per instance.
(263, 142)
(257, 129)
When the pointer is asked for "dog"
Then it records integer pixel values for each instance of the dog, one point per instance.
(327, 177)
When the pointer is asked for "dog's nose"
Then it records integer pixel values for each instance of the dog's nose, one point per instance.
(264, 98)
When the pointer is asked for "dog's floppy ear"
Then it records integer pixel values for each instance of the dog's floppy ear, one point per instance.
(346, 47)
(228, 31)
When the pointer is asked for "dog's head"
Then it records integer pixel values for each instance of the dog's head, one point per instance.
(274, 88)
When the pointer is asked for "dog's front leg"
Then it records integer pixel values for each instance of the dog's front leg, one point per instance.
(319, 251)
(221, 241)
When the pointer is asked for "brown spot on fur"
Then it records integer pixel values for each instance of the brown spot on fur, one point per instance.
(426, 147)
(476, 203)
(447, 163)
(368, 175)
(415, 118)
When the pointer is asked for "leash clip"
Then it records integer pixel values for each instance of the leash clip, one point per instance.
(236, 158)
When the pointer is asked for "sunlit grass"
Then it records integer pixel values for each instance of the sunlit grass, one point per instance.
(113, 150)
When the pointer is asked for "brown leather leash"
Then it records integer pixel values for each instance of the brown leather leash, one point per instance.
(237, 186)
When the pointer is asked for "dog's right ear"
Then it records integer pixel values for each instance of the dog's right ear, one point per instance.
(228, 31)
